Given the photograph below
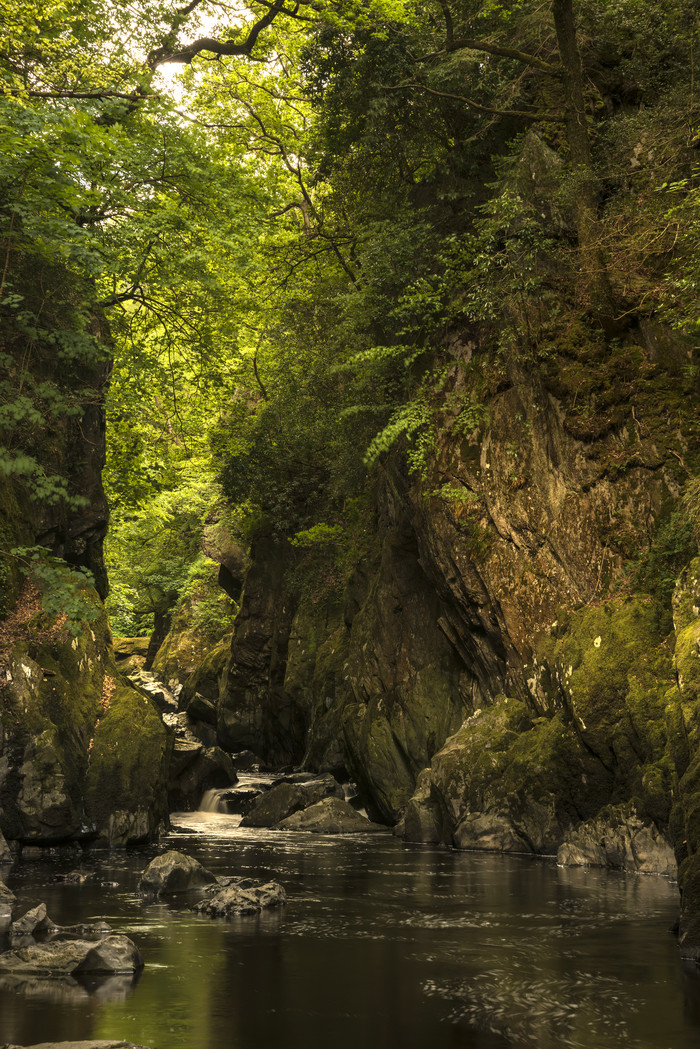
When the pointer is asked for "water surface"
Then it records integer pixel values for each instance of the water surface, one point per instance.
(382, 945)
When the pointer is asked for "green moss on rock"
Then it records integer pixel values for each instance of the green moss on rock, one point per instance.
(125, 791)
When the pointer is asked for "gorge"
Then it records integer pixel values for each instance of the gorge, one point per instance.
(364, 338)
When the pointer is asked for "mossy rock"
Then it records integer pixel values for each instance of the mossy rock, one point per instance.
(687, 659)
(126, 782)
(530, 778)
(686, 597)
(206, 678)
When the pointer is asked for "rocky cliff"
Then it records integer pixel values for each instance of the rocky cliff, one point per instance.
(83, 754)
(504, 664)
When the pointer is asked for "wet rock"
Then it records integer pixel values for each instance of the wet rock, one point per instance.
(76, 877)
(113, 954)
(240, 896)
(618, 838)
(174, 872)
(330, 816)
(37, 922)
(34, 921)
(274, 806)
(7, 902)
(237, 801)
(67, 957)
(209, 768)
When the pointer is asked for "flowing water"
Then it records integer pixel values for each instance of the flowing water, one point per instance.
(382, 945)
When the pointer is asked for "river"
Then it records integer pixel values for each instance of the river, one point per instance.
(382, 945)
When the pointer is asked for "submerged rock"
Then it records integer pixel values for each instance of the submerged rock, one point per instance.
(240, 896)
(174, 872)
(330, 816)
(114, 954)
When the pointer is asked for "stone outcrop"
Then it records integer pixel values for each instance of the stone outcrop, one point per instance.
(495, 673)
(289, 796)
(619, 839)
(83, 754)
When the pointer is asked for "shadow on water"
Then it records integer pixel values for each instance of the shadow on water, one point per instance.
(381, 945)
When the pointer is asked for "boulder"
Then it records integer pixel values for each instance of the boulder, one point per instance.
(274, 806)
(156, 690)
(618, 838)
(174, 872)
(33, 921)
(330, 816)
(66, 957)
(235, 896)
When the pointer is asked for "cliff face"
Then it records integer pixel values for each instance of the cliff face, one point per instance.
(83, 754)
(495, 673)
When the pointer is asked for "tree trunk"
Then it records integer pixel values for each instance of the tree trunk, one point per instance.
(588, 227)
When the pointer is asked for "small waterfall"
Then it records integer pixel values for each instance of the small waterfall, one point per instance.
(211, 801)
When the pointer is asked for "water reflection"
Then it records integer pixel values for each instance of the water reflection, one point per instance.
(381, 945)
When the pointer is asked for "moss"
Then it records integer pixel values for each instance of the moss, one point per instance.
(687, 658)
(612, 675)
(686, 597)
(128, 760)
(504, 761)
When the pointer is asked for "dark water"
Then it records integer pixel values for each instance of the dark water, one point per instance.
(381, 946)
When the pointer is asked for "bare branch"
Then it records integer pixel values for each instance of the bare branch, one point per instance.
(129, 97)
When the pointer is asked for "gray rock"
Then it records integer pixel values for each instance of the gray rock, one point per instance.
(174, 872)
(114, 954)
(5, 851)
(34, 921)
(274, 806)
(421, 821)
(37, 921)
(618, 838)
(7, 901)
(489, 831)
(66, 957)
(241, 896)
(202, 709)
(330, 816)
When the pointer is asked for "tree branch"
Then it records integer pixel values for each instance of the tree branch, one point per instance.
(185, 54)
(469, 44)
(523, 114)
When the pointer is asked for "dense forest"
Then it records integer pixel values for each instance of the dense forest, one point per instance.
(366, 334)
